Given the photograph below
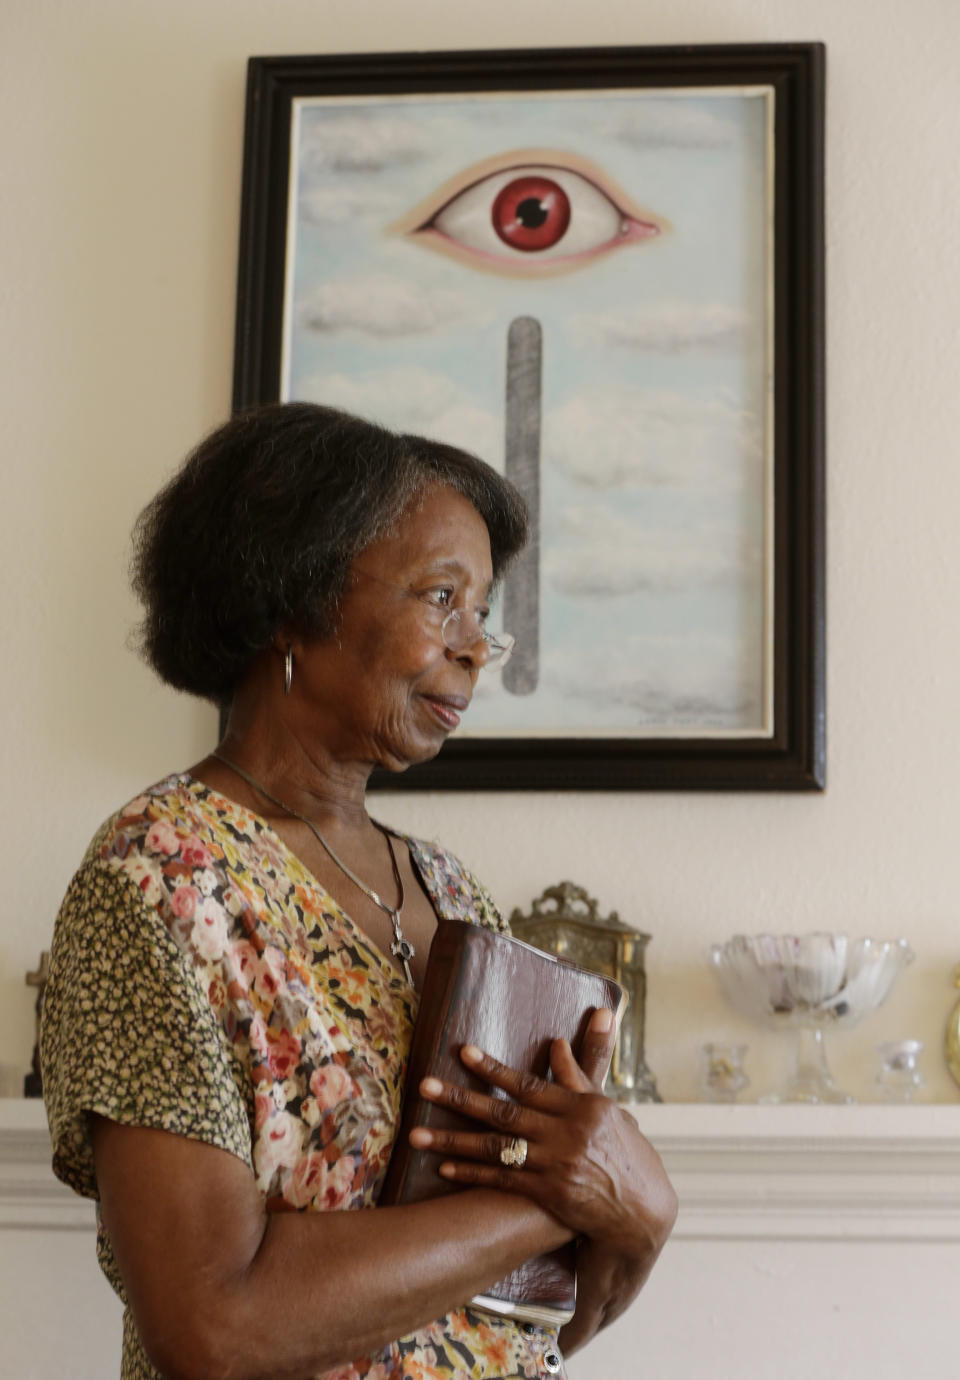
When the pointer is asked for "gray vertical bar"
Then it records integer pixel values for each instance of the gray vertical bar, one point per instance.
(521, 594)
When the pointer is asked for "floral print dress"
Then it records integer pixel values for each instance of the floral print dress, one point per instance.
(204, 983)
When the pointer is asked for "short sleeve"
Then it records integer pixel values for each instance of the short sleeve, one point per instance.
(128, 1031)
(488, 912)
(454, 890)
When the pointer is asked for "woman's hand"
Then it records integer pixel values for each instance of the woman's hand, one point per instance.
(587, 1162)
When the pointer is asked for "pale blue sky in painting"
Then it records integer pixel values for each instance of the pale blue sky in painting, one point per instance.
(656, 473)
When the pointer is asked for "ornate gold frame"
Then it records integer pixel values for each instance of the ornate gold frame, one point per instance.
(952, 1038)
(565, 921)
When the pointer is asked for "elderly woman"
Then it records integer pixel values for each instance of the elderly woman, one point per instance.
(236, 962)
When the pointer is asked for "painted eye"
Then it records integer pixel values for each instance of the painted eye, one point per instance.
(530, 213)
(526, 218)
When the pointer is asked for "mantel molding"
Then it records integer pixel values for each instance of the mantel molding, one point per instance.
(31, 1196)
(811, 1173)
(741, 1173)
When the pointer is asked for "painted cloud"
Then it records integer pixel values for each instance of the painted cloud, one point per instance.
(597, 555)
(379, 305)
(668, 124)
(361, 143)
(416, 400)
(615, 437)
(661, 326)
(669, 680)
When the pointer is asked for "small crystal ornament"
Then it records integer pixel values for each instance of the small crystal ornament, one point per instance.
(722, 1075)
(899, 1079)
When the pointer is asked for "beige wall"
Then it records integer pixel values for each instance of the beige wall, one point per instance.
(121, 125)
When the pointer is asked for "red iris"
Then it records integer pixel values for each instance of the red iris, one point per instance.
(531, 213)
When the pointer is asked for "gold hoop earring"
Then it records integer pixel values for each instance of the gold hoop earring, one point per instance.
(288, 671)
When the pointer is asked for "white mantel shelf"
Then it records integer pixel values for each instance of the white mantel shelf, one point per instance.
(743, 1172)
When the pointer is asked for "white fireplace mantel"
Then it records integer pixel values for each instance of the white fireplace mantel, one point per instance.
(741, 1172)
(812, 1173)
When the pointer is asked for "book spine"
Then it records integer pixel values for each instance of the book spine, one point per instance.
(429, 1040)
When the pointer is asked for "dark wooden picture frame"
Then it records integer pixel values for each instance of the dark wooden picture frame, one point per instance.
(791, 756)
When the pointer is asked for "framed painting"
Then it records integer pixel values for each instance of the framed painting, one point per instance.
(602, 271)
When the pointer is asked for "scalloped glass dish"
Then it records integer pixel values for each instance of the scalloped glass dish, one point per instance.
(813, 983)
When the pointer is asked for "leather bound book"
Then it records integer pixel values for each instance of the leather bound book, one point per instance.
(488, 989)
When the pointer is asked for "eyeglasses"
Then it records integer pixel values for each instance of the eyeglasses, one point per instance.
(460, 629)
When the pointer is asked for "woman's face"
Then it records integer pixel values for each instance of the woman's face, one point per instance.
(386, 689)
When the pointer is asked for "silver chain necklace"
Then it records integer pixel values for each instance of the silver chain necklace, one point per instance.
(401, 947)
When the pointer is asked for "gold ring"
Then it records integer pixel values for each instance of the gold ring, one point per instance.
(514, 1153)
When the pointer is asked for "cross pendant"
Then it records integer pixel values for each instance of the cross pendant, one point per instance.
(402, 948)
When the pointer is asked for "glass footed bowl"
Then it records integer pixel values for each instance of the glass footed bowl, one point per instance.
(811, 982)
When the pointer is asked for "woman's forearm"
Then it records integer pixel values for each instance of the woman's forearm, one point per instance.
(372, 1276)
(218, 1287)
